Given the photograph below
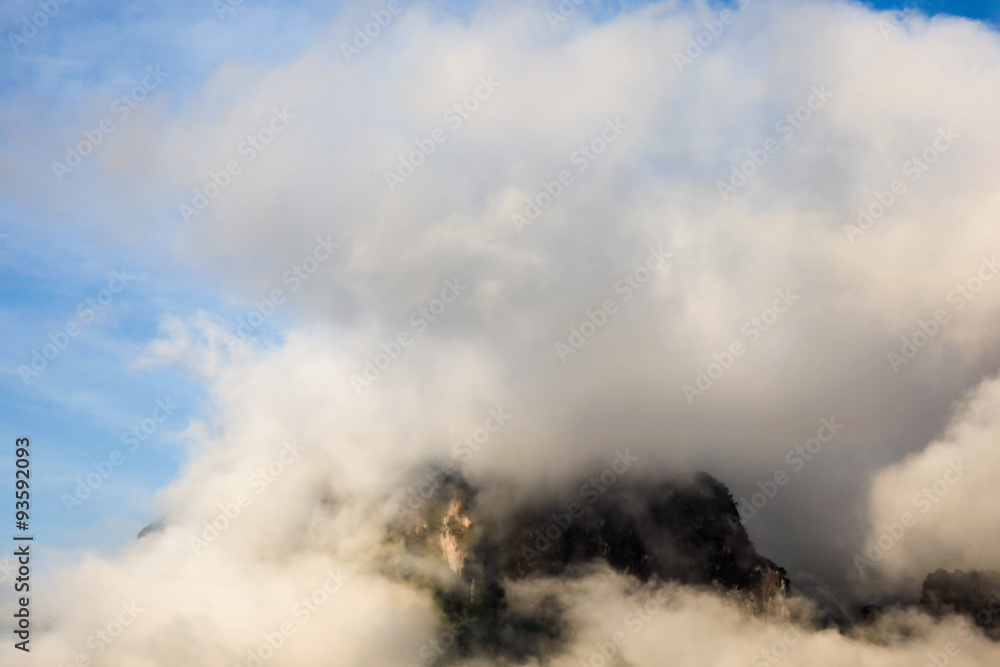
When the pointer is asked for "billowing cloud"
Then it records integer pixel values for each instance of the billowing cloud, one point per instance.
(702, 235)
(932, 510)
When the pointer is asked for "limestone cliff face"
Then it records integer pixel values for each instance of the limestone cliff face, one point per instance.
(453, 528)
(686, 531)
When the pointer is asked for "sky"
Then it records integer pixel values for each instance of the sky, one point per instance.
(91, 393)
(306, 134)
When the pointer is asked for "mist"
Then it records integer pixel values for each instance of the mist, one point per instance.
(510, 247)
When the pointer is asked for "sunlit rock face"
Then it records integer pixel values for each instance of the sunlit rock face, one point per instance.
(469, 546)
(453, 528)
(974, 594)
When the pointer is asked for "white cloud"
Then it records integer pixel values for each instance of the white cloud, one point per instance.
(935, 509)
(654, 186)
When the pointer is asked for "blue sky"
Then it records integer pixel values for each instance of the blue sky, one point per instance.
(77, 410)
(977, 9)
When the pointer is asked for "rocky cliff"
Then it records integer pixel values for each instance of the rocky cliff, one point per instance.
(684, 530)
(974, 594)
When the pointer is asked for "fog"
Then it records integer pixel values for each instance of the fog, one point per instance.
(642, 305)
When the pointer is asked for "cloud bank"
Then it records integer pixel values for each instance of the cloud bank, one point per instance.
(693, 233)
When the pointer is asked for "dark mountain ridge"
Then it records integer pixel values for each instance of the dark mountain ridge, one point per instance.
(682, 530)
